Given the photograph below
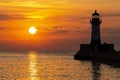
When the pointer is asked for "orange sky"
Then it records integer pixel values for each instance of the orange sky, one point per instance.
(62, 24)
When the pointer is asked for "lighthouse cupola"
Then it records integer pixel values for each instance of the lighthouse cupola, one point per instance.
(95, 22)
(95, 15)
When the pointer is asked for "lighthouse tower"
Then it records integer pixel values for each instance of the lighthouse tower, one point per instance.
(95, 22)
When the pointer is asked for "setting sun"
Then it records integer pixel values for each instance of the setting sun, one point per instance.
(32, 30)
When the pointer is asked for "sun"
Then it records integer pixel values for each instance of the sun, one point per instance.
(32, 30)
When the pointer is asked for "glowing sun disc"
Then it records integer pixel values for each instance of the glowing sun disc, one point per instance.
(32, 30)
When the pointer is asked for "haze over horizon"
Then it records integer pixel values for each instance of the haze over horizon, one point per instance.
(61, 25)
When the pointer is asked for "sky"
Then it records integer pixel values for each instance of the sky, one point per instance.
(61, 24)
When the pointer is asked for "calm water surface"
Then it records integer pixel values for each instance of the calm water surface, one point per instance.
(51, 66)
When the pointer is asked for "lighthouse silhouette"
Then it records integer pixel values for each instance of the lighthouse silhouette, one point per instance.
(95, 48)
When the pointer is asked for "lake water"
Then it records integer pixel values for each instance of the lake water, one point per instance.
(53, 66)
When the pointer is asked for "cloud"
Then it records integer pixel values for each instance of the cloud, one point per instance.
(16, 2)
(11, 28)
(5, 1)
(72, 18)
(11, 17)
(2, 28)
(55, 29)
(111, 15)
(82, 31)
(60, 31)
(112, 30)
(64, 30)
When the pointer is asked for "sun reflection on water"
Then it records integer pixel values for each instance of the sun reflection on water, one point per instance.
(33, 65)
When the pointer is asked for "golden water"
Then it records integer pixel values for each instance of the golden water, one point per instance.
(51, 66)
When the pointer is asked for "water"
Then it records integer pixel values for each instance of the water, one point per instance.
(51, 66)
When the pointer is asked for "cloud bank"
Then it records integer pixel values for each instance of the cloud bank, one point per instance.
(11, 17)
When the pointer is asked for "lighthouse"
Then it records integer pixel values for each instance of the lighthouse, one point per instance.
(95, 23)
(96, 50)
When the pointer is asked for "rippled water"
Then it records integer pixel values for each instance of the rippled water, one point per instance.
(51, 66)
